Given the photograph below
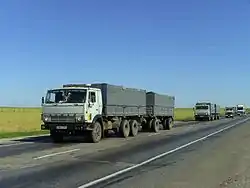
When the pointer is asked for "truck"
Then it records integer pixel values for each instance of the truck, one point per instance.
(241, 109)
(230, 111)
(95, 109)
(206, 111)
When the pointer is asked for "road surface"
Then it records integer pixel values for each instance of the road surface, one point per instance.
(207, 163)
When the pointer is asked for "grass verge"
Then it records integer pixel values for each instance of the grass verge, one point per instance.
(21, 134)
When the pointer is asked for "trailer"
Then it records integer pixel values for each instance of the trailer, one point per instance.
(160, 110)
(206, 111)
(230, 111)
(95, 109)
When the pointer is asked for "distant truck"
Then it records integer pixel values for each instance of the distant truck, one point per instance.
(94, 109)
(206, 111)
(241, 109)
(230, 111)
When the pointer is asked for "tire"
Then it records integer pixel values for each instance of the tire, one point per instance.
(156, 125)
(96, 133)
(134, 127)
(124, 128)
(168, 123)
(56, 137)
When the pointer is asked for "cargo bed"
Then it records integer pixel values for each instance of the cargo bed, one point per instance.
(160, 105)
(121, 101)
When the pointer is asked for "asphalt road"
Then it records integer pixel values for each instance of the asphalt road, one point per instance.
(40, 163)
(39, 143)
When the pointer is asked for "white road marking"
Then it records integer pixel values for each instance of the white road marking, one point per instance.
(15, 144)
(157, 156)
(110, 162)
(58, 153)
(153, 134)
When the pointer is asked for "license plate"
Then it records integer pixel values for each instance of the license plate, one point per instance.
(61, 127)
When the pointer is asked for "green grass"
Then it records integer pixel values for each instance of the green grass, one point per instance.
(15, 122)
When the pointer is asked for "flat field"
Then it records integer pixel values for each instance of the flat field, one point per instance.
(26, 121)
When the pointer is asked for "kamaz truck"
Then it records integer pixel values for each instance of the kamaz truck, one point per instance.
(241, 110)
(206, 111)
(94, 109)
(230, 111)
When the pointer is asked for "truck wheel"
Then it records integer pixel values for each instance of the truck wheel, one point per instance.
(96, 133)
(168, 123)
(133, 127)
(56, 137)
(124, 128)
(156, 125)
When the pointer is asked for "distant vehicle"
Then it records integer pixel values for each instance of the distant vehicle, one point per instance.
(206, 111)
(94, 109)
(230, 111)
(241, 109)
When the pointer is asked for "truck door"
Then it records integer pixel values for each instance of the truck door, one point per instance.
(92, 104)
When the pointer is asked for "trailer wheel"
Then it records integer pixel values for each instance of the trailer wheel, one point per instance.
(56, 137)
(133, 127)
(124, 128)
(168, 123)
(156, 125)
(96, 133)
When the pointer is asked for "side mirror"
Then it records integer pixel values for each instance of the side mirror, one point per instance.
(42, 100)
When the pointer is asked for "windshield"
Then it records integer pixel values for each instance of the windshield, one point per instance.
(201, 107)
(66, 96)
(239, 108)
(229, 109)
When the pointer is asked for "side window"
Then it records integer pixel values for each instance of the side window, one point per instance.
(92, 97)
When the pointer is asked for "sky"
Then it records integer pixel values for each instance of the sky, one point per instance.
(194, 50)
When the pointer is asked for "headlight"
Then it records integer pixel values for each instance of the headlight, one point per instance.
(46, 118)
(79, 118)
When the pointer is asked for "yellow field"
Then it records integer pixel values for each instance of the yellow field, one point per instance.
(186, 114)
(27, 120)
(19, 119)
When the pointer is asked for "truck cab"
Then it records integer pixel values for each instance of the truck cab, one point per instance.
(202, 111)
(241, 110)
(70, 110)
(229, 112)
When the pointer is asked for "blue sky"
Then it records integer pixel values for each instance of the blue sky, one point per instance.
(194, 50)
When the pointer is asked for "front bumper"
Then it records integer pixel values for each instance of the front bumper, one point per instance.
(201, 116)
(66, 127)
